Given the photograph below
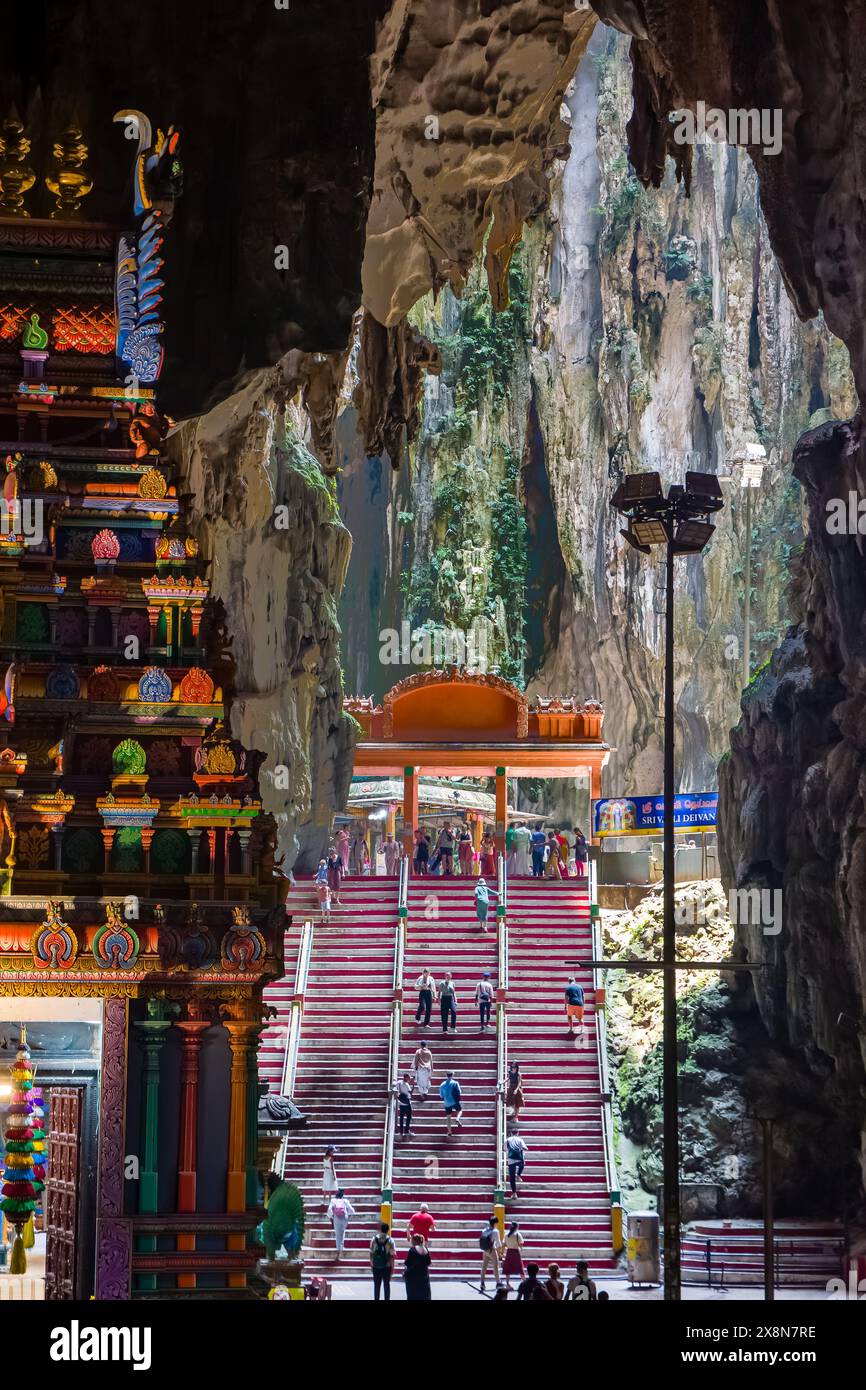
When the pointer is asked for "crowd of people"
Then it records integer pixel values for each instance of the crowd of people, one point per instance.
(501, 1254)
(449, 852)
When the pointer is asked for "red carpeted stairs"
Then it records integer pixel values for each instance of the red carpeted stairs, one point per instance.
(808, 1253)
(455, 1176)
(563, 1203)
(342, 1073)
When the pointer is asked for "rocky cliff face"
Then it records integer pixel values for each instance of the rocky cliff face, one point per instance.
(645, 329)
(266, 518)
(792, 794)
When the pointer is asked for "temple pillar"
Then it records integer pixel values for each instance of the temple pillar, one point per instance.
(501, 808)
(410, 809)
(151, 1033)
(194, 833)
(211, 850)
(477, 823)
(246, 865)
(91, 625)
(147, 834)
(242, 1034)
(115, 625)
(52, 625)
(191, 1031)
(594, 795)
(153, 619)
(57, 836)
(168, 610)
(253, 1122)
(113, 1279)
(108, 840)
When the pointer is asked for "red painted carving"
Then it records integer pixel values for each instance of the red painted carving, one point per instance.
(196, 688)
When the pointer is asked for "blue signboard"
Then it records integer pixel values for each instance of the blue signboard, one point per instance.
(644, 815)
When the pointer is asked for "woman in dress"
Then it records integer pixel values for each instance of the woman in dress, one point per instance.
(564, 851)
(488, 854)
(514, 1097)
(417, 1272)
(581, 853)
(341, 840)
(335, 874)
(483, 895)
(513, 1262)
(422, 1066)
(329, 1175)
(422, 852)
(323, 891)
(465, 852)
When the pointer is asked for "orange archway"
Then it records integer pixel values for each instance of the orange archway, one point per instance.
(452, 723)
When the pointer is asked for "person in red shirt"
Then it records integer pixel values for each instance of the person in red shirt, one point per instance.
(421, 1224)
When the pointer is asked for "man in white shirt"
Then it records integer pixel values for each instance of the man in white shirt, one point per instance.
(427, 992)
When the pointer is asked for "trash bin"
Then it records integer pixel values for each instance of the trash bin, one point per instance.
(642, 1247)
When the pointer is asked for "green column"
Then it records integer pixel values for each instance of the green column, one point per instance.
(151, 1034)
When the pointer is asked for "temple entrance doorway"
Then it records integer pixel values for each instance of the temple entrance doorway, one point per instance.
(63, 1036)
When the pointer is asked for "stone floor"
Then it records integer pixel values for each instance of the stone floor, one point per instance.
(445, 1290)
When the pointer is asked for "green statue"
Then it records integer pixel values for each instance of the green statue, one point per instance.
(284, 1223)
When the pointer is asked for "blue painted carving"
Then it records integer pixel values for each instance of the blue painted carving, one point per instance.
(62, 683)
(154, 686)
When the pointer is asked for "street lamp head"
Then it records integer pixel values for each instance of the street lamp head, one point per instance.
(634, 542)
(691, 537)
(635, 488)
(649, 531)
(704, 489)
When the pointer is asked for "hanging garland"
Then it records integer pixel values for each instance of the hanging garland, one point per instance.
(19, 1178)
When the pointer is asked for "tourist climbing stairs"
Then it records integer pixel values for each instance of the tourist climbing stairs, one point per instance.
(563, 1205)
(455, 1176)
(341, 1075)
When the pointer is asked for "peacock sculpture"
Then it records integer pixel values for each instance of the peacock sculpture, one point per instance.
(158, 183)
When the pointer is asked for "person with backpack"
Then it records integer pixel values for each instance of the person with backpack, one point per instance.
(574, 1005)
(490, 1243)
(404, 1106)
(516, 1152)
(532, 1290)
(383, 1252)
(448, 1003)
(340, 1213)
(484, 996)
(581, 1289)
(452, 1100)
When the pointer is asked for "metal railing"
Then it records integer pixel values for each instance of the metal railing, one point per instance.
(598, 983)
(293, 1033)
(394, 1036)
(501, 1033)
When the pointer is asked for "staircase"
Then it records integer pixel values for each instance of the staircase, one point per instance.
(455, 1176)
(342, 1072)
(808, 1253)
(563, 1203)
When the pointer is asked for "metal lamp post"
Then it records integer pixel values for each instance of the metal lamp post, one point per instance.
(751, 473)
(680, 522)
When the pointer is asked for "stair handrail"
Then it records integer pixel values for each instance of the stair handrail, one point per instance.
(598, 981)
(394, 1036)
(501, 1037)
(293, 1033)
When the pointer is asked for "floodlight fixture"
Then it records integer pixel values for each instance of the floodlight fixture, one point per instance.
(650, 532)
(692, 536)
(706, 490)
(634, 542)
(636, 488)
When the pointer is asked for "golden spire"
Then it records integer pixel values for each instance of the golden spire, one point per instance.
(69, 181)
(16, 176)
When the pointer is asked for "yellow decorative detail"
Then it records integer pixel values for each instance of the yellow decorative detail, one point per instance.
(16, 175)
(33, 847)
(70, 182)
(220, 758)
(152, 484)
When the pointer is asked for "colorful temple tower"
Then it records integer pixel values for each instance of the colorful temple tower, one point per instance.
(135, 862)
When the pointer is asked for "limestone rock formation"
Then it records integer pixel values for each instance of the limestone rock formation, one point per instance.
(265, 516)
(792, 795)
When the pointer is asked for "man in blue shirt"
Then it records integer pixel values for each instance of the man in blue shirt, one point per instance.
(574, 1005)
(538, 842)
(452, 1100)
